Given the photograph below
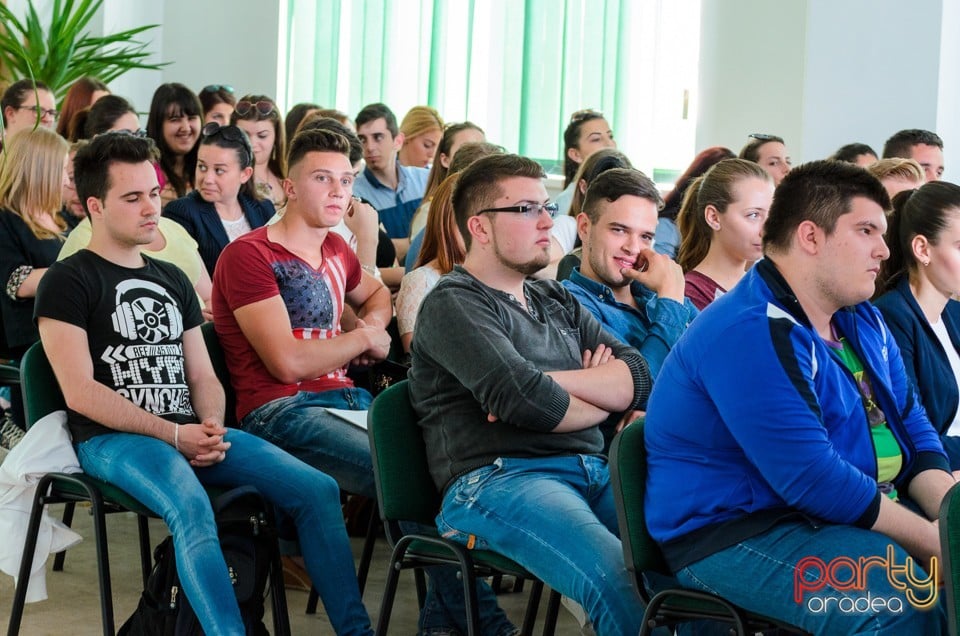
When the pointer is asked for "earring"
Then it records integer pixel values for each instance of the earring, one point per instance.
(926, 263)
(715, 226)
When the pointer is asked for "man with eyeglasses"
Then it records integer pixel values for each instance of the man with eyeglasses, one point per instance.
(511, 379)
(635, 293)
(27, 104)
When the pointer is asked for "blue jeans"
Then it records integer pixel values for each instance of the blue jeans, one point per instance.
(759, 573)
(300, 425)
(160, 477)
(556, 517)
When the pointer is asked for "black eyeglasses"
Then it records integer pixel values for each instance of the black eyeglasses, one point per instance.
(42, 112)
(230, 133)
(530, 211)
(216, 88)
(244, 107)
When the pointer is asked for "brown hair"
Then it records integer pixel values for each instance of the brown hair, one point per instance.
(714, 187)
(440, 238)
(479, 185)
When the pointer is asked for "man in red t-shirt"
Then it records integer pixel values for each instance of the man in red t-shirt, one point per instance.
(278, 296)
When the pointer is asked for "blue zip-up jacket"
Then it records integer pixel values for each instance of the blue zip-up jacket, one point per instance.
(753, 419)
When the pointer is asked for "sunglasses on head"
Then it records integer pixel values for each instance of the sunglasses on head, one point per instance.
(216, 88)
(762, 137)
(244, 107)
(230, 133)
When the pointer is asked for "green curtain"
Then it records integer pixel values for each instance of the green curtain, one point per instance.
(518, 69)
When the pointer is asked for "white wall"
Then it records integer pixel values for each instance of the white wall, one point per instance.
(823, 73)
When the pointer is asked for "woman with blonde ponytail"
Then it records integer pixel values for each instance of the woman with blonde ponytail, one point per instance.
(720, 221)
(918, 284)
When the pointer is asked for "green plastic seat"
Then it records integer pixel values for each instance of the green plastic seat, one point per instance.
(628, 473)
(950, 548)
(406, 492)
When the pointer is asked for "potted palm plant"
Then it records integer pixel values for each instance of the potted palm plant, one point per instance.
(65, 51)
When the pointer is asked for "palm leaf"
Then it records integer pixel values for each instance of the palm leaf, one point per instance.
(65, 51)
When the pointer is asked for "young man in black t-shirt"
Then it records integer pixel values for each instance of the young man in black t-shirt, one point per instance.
(122, 332)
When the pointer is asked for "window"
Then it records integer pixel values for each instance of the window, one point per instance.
(517, 69)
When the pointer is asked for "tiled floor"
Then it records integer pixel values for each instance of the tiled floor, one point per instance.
(73, 606)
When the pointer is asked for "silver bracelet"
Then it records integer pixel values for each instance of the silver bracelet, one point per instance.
(16, 280)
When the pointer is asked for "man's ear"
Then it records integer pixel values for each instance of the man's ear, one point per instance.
(94, 206)
(479, 228)
(398, 141)
(583, 227)
(289, 191)
(809, 237)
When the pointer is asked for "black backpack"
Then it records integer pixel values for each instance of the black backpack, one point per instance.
(249, 546)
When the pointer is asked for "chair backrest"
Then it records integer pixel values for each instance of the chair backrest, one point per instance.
(628, 473)
(219, 361)
(405, 490)
(950, 548)
(41, 392)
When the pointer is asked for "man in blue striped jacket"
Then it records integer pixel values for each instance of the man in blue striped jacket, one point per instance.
(791, 469)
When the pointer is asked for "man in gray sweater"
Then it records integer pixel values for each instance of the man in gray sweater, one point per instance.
(511, 379)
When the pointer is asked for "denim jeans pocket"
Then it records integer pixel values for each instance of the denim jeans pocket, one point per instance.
(467, 487)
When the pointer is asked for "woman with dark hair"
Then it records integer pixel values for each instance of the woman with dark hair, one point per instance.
(918, 283)
(668, 237)
(770, 153)
(27, 104)
(217, 101)
(259, 117)
(174, 125)
(225, 204)
(586, 133)
(295, 116)
(111, 112)
(83, 94)
(721, 221)
(860, 154)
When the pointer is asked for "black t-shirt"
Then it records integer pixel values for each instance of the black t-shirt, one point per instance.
(134, 319)
(18, 248)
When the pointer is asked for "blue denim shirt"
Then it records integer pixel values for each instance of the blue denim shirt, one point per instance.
(652, 329)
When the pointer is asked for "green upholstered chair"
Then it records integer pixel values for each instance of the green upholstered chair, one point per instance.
(406, 492)
(628, 473)
(42, 396)
(950, 547)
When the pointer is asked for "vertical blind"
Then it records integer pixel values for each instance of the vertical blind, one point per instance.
(516, 68)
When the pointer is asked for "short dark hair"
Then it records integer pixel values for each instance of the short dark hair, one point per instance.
(101, 117)
(821, 192)
(479, 185)
(372, 112)
(295, 116)
(751, 152)
(329, 123)
(320, 140)
(17, 93)
(850, 152)
(91, 165)
(900, 144)
(614, 183)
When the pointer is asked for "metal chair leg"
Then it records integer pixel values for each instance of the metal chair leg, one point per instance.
(59, 558)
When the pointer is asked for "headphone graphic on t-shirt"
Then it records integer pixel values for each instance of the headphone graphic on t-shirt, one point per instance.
(145, 312)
